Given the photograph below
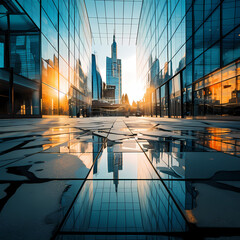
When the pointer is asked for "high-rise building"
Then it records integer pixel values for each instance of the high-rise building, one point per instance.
(114, 72)
(188, 57)
(45, 58)
(96, 80)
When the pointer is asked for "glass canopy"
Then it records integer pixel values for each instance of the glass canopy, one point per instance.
(114, 16)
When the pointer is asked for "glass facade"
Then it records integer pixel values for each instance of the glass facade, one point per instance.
(45, 58)
(96, 80)
(197, 47)
(114, 72)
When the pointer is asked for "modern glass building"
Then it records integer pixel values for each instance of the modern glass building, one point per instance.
(45, 58)
(188, 56)
(114, 72)
(96, 80)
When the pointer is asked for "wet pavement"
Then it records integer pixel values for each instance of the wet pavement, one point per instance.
(119, 178)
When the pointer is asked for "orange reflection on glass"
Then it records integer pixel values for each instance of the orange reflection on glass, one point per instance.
(63, 104)
(49, 75)
(49, 100)
(229, 91)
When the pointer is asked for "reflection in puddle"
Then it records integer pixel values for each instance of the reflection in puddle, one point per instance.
(111, 165)
(138, 206)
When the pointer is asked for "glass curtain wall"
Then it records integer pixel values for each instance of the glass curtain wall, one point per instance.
(45, 58)
(66, 58)
(194, 42)
(19, 60)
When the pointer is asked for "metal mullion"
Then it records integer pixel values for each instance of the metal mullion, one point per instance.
(123, 22)
(131, 23)
(106, 19)
(98, 22)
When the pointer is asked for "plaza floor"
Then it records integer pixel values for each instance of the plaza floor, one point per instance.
(119, 178)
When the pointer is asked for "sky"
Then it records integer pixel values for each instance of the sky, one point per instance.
(130, 85)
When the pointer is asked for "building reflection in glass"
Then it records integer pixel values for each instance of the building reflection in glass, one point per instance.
(42, 71)
(138, 206)
(197, 47)
(115, 164)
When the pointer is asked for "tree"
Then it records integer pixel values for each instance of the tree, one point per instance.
(134, 104)
(123, 99)
(126, 99)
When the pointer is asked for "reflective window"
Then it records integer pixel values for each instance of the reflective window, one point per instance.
(212, 59)
(26, 96)
(212, 29)
(229, 94)
(49, 75)
(209, 6)
(49, 100)
(49, 30)
(63, 104)
(213, 99)
(51, 11)
(198, 13)
(175, 96)
(198, 68)
(199, 103)
(198, 42)
(231, 46)
(230, 15)
(164, 100)
(187, 101)
(33, 9)
(25, 55)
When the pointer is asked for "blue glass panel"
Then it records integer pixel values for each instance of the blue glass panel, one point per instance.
(135, 206)
(33, 9)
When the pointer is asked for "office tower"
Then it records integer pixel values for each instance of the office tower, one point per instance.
(197, 46)
(115, 164)
(114, 72)
(96, 80)
(45, 58)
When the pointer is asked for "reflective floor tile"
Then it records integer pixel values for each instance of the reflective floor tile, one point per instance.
(34, 211)
(49, 165)
(110, 165)
(124, 206)
(208, 204)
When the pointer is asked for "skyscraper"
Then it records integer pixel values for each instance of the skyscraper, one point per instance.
(114, 72)
(96, 80)
(189, 66)
(43, 69)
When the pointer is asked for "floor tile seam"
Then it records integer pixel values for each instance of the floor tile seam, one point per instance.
(29, 155)
(192, 180)
(36, 135)
(142, 233)
(169, 192)
(77, 194)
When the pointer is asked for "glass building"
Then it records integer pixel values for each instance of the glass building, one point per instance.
(45, 58)
(96, 80)
(188, 57)
(114, 72)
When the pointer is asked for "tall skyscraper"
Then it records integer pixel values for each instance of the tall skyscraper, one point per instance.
(96, 80)
(114, 72)
(189, 68)
(40, 55)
